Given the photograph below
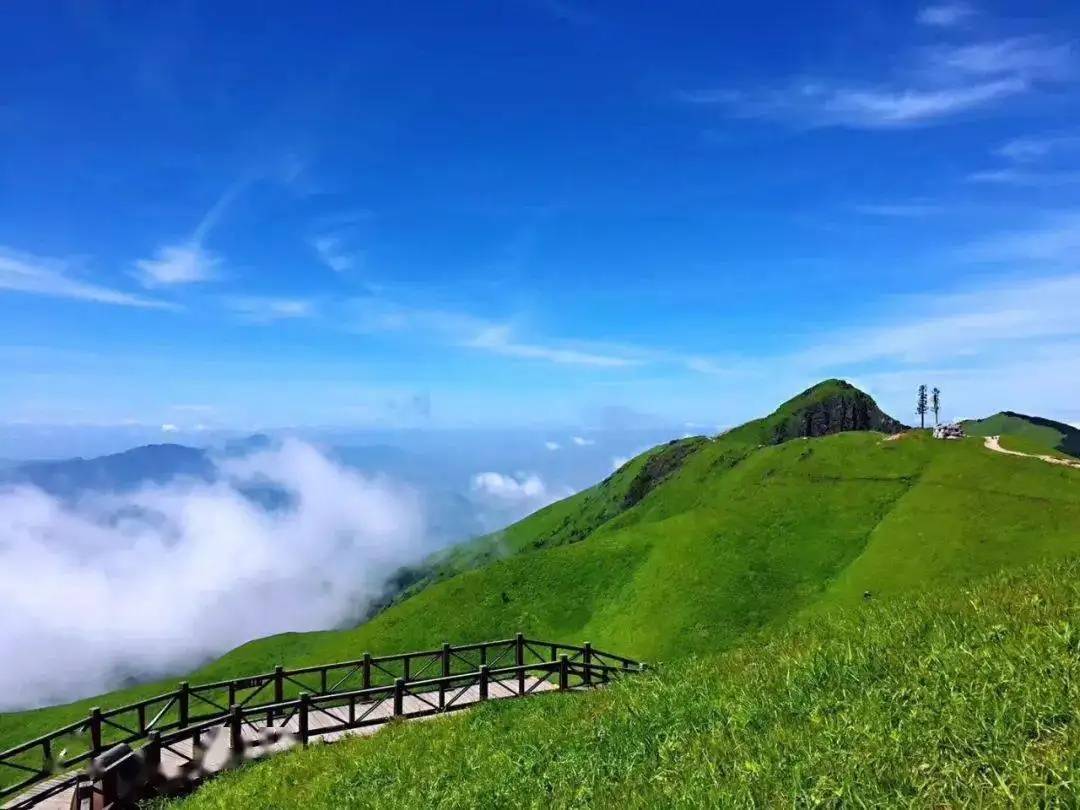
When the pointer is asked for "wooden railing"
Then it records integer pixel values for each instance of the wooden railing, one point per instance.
(347, 693)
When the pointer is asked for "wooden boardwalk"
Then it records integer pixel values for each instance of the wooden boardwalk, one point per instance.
(258, 743)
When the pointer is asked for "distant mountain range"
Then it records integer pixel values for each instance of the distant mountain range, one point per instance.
(151, 464)
(451, 515)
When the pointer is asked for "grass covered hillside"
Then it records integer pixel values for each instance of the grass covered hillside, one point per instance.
(1028, 434)
(963, 697)
(730, 542)
(832, 406)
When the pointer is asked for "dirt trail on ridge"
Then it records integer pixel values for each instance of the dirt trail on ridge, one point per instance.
(994, 443)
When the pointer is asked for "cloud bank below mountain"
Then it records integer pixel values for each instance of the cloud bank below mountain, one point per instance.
(155, 581)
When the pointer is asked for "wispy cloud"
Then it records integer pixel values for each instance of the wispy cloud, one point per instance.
(1055, 241)
(189, 261)
(1032, 58)
(581, 441)
(38, 275)
(1007, 315)
(500, 340)
(1031, 162)
(184, 263)
(260, 309)
(945, 15)
(333, 251)
(1031, 179)
(940, 83)
(898, 210)
(552, 445)
(1032, 149)
(374, 315)
(826, 104)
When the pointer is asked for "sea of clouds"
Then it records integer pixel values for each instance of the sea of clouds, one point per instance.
(148, 583)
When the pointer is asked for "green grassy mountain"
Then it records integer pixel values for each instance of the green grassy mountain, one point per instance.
(832, 406)
(700, 545)
(1028, 434)
(963, 697)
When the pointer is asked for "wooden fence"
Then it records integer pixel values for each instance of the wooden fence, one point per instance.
(346, 692)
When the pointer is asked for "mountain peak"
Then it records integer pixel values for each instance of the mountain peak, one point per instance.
(831, 406)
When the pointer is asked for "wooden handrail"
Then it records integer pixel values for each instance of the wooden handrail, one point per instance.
(187, 723)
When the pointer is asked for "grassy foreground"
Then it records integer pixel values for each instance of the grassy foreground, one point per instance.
(970, 696)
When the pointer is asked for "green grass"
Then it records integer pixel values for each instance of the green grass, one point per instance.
(567, 521)
(734, 543)
(1028, 434)
(1022, 444)
(964, 697)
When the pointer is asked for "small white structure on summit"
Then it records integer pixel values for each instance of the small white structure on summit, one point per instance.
(951, 431)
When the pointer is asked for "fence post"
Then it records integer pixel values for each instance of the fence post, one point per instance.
(110, 789)
(519, 661)
(485, 677)
(399, 696)
(367, 670)
(236, 741)
(303, 718)
(183, 703)
(95, 731)
(405, 660)
(445, 673)
(279, 692)
(586, 659)
(152, 758)
(564, 672)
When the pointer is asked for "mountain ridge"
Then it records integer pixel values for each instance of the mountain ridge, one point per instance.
(734, 540)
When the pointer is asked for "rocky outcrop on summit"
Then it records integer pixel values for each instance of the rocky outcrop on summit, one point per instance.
(844, 407)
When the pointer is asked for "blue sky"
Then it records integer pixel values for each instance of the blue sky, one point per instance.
(219, 215)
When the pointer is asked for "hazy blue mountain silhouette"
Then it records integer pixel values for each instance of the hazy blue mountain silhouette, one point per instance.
(118, 472)
(450, 515)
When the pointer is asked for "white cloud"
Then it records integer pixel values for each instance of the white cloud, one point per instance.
(332, 251)
(945, 15)
(38, 275)
(827, 104)
(509, 488)
(373, 315)
(258, 309)
(581, 441)
(971, 325)
(942, 83)
(1032, 149)
(168, 427)
(552, 445)
(1018, 177)
(499, 340)
(186, 571)
(1033, 58)
(1056, 241)
(188, 261)
(898, 210)
(618, 461)
(185, 263)
(886, 108)
(502, 499)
